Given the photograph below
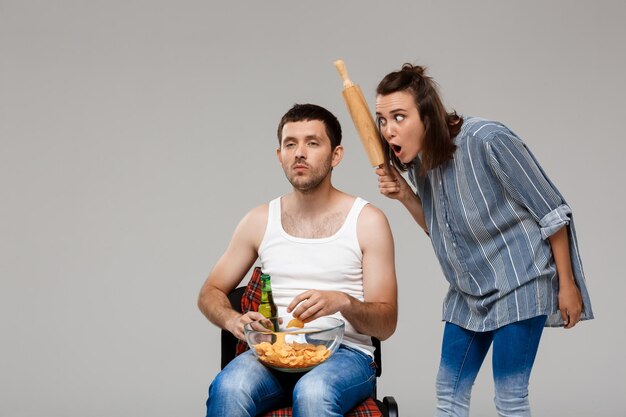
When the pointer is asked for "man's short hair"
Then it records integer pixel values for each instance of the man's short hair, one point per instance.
(305, 112)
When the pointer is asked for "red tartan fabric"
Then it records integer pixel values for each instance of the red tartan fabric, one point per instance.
(367, 408)
(250, 301)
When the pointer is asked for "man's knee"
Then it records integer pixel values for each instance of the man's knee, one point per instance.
(314, 392)
(226, 385)
(236, 384)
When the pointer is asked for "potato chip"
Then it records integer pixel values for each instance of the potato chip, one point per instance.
(295, 323)
(291, 355)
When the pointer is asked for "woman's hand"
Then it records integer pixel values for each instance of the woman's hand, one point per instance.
(570, 300)
(570, 304)
(392, 184)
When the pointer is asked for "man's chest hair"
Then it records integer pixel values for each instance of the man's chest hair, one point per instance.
(317, 227)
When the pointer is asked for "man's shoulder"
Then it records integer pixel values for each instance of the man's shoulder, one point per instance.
(368, 209)
(256, 218)
(370, 215)
(260, 210)
(373, 229)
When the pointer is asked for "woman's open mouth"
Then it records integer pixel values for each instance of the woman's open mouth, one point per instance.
(396, 148)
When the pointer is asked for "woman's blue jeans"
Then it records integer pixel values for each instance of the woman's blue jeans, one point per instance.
(462, 354)
(245, 387)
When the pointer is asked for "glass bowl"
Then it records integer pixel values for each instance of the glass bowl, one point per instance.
(294, 349)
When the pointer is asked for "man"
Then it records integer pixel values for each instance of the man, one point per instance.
(319, 246)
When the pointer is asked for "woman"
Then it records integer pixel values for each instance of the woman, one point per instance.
(501, 230)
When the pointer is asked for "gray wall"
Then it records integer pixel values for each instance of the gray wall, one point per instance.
(136, 134)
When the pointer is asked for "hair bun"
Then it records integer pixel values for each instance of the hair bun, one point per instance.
(416, 69)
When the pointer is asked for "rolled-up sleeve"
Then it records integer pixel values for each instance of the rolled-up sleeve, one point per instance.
(524, 180)
(555, 220)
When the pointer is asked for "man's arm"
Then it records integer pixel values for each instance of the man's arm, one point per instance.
(229, 271)
(377, 315)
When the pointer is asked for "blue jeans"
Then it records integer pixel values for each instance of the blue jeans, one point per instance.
(463, 351)
(245, 387)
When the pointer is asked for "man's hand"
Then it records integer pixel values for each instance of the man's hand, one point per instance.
(313, 304)
(236, 323)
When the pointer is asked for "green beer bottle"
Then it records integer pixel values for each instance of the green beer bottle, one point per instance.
(267, 306)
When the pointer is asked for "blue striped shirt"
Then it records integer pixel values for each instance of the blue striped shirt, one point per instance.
(489, 212)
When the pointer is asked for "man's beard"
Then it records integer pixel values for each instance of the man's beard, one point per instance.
(312, 181)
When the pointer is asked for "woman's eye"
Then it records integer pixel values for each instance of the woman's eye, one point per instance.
(398, 117)
(381, 121)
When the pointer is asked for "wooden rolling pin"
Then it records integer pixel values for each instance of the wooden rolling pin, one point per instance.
(361, 117)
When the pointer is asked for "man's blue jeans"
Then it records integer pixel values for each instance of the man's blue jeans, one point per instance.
(462, 354)
(245, 387)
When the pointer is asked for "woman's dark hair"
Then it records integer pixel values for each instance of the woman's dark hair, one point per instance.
(304, 112)
(440, 126)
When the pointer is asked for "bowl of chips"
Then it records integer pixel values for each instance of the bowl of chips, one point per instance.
(290, 345)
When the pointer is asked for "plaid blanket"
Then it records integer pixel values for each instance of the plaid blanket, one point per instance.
(250, 302)
(367, 408)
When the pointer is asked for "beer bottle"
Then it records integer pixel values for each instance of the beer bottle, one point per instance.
(267, 306)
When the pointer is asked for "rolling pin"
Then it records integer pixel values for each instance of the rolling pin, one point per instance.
(361, 117)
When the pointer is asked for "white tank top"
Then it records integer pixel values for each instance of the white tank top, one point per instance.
(331, 263)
